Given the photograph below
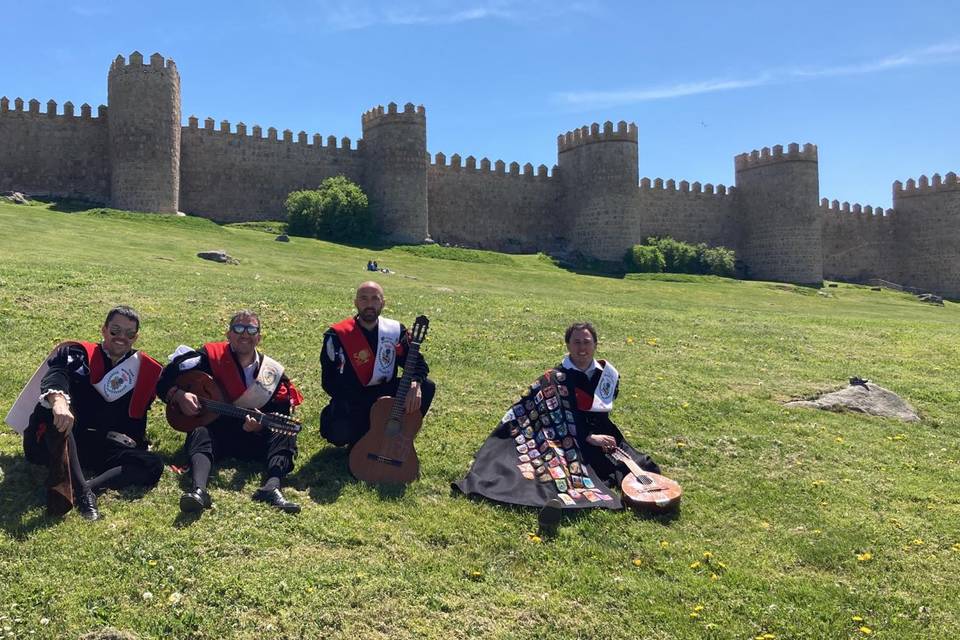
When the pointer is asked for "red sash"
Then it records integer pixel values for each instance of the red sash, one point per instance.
(584, 399)
(224, 369)
(359, 351)
(143, 392)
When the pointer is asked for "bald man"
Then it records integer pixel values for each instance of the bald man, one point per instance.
(359, 363)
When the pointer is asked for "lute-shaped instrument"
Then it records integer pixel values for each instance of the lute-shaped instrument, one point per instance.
(646, 491)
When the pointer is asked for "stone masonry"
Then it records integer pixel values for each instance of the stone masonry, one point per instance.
(138, 155)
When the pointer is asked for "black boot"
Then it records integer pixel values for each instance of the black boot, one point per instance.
(550, 515)
(87, 505)
(274, 498)
(195, 501)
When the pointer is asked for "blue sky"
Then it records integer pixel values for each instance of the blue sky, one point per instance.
(873, 84)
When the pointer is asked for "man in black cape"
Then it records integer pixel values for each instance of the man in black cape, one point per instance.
(550, 449)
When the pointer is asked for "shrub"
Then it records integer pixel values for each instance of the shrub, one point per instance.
(646, 259)
(337, 210)
(672, 256)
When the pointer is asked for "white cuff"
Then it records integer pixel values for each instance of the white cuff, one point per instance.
(46, 403)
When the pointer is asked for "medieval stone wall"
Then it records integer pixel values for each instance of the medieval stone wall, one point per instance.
(230, 176)
(859, 243)
(928, 233)
(65, 155)
(139, 156)
(493, 207)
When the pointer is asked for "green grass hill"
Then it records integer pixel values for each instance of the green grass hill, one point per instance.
(795, 523)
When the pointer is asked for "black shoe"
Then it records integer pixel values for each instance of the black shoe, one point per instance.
(550, 516)
(87, 506)
(195, 501)
(274, 498)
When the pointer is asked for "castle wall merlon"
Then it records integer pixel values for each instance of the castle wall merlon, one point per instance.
(767, 155)
(391, 114)
(456, 163)
(33, 109)
(845, 209)
(696, 189)
(588, 135)
(157, 62)
(925, 186)
(256, 133)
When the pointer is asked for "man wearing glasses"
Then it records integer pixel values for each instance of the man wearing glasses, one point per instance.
(86, 407)
(249, 380)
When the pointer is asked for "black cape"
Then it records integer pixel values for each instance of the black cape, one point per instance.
(539, 451)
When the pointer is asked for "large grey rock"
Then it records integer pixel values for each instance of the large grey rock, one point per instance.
(17, 198)
(866, 398)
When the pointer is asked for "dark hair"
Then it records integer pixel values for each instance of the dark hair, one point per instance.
(244, 312)
(578, 326)
(123, 310)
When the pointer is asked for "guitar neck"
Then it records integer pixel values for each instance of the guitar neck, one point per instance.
(622, 456)
(409, 368)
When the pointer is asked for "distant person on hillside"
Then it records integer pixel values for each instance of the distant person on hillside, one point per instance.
(360, 362)
(86, 408)
(550, 448)
(249, 380)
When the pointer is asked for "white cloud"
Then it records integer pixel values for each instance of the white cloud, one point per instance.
(935, 54)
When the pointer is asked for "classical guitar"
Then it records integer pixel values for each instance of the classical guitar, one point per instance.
(209, 394)
(385, 455)
(646, 491)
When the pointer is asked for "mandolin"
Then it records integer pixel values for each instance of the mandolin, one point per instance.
(646, 491)
(385, 455)
(210, 395)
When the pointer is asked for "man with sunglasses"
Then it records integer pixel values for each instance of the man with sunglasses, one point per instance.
(251, 380)
(86, 407)
(360, 362)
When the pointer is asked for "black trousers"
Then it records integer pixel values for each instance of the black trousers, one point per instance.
(96, 453)
(227, 439)
(345, 421)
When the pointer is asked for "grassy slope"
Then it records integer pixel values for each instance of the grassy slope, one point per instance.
(784, 500)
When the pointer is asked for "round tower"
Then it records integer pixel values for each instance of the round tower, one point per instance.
(598, 174)
(144, 124)
(781, 225)
(927, 233)
(394, 148)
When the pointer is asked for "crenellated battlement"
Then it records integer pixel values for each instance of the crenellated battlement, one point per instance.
(391, 114)
(695, 188)
(846, 210)
(240, 132)
(497, 168)
(765, 156)
(925, 186)
(135, 64)
(592, 134)
(33, 109)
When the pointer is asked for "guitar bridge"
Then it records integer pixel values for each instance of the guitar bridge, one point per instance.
(384, 460)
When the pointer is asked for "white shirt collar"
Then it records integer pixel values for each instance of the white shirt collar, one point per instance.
(568, 364)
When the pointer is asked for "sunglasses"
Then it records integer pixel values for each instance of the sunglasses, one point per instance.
(130, 333)
(251, 329)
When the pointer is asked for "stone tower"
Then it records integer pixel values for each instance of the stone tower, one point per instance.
(144, 124)
(598, 174)
(395, 170)
(780, 219)
(927, 227)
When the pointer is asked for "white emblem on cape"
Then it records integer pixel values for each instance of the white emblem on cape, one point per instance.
(388, 337)
(118, 382)
(606, 387)
(262, 389)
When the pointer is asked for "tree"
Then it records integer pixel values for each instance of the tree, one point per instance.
(337, 210)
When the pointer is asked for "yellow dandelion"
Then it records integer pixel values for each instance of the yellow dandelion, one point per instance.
(721, 565)
(535, 539)
(817, 483)
(685, 405)
(956, 546)
(865, 556)
(839, 440)
(866, 630)
(768, 636)
(714, 576)
(699, 607)
(152, 563)
(917, 541)
(694, 614)
(664, 544)
(857, 618)
(764, 524)
(629, 340)
(695, 565)
(681, 445)
(707, 555)
(817, 532)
